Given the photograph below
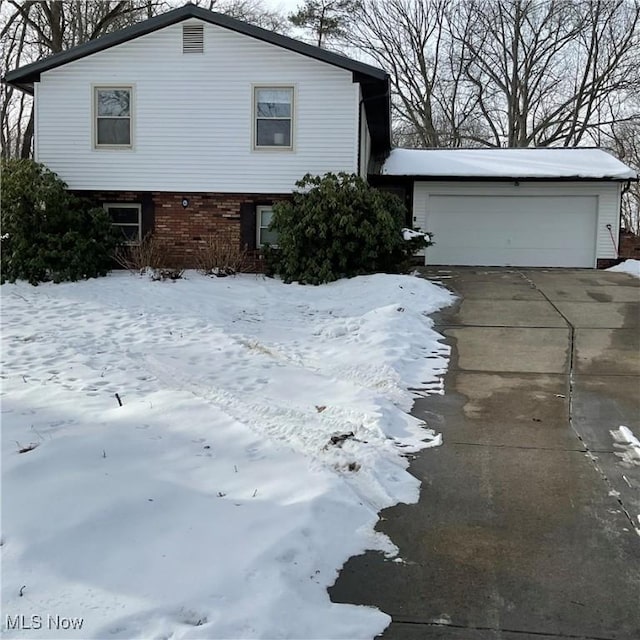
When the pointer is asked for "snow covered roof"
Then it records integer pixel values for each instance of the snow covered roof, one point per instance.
(549, 163)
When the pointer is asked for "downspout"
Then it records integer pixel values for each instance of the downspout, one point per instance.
(625, 188)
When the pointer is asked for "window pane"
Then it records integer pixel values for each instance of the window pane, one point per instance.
(274, 103)
(268, 236)
(265, 217)
(114, 131)
(274, 133)
(130, 233)
(113, 102)
(124, 215)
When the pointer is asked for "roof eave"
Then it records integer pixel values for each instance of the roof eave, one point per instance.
(376, 97)
(31, 73)
(27, 87)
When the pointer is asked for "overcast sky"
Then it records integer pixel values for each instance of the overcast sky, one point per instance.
(287, 6)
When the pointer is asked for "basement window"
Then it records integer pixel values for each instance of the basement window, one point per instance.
(126, 218)
(264, 216)
(192, 38)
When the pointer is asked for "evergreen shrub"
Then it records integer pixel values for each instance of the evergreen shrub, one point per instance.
(338, 226)
(48, 234)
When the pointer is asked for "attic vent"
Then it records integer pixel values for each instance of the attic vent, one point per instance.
(192, 38)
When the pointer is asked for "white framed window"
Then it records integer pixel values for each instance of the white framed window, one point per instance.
(273, 110)
(113, 117)
(127, 218)
(264, 216)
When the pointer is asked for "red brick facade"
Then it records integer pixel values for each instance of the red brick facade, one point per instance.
(629, 245)
(185, 228)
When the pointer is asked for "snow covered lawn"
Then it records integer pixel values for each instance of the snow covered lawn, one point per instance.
(262, 428)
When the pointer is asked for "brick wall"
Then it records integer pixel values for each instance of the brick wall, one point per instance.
(629, 245)
(185, 229)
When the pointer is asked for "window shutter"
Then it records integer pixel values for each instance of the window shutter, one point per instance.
(192, 38)
(248, 225)
(148, 214)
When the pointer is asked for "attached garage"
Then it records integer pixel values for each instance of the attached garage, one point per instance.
(514, 207)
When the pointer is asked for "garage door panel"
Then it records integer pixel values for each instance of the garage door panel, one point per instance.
(513, 258)
(510, 230)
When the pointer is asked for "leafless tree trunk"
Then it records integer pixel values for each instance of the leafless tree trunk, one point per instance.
(12, 46)
(543, 70)
(503, 72)
(410, 39)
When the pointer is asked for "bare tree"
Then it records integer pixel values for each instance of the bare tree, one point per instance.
(252, 11)
(623, 140)
(503, 73)
(410, 39)
(14, 104)
(543, 70)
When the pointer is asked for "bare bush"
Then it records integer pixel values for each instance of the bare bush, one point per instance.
(219, 256)
(149, 252)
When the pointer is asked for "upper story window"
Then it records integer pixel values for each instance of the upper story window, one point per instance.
(273, 116)
(113, 116)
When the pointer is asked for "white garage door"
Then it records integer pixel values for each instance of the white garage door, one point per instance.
(531, 231)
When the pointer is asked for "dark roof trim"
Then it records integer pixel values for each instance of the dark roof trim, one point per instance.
(376, 98)
(24, 77)
(417, 178)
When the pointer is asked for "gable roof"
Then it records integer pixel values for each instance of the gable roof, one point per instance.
(373, 81)
(549, 163)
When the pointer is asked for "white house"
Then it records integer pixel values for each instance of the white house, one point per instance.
(192, 124)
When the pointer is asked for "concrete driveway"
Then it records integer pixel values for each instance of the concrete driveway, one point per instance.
(526, 523)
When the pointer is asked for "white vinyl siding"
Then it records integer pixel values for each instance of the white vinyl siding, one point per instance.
(579, 212)
(194, 116)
